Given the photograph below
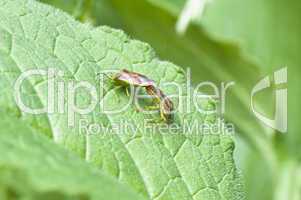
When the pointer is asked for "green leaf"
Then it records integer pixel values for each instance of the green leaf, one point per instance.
(33, 167)
(158, 166)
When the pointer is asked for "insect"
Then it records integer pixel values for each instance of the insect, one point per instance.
(127, 78)
(165, 104)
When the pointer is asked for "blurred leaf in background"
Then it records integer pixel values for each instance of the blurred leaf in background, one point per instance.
(235, 40)
(269, 32)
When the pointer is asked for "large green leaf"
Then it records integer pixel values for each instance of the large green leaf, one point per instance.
(159, 166)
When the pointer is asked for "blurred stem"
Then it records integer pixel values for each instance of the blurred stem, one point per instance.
(288, 185)
(83, 11)
(192, 10)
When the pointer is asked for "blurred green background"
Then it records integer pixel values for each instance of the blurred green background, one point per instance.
(232, 40)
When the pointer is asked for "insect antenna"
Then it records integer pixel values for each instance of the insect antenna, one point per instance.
(102, 73)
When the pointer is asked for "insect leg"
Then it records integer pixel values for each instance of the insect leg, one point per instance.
(163, 116)
(156, 107)
(155, 121)
(127, 91)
